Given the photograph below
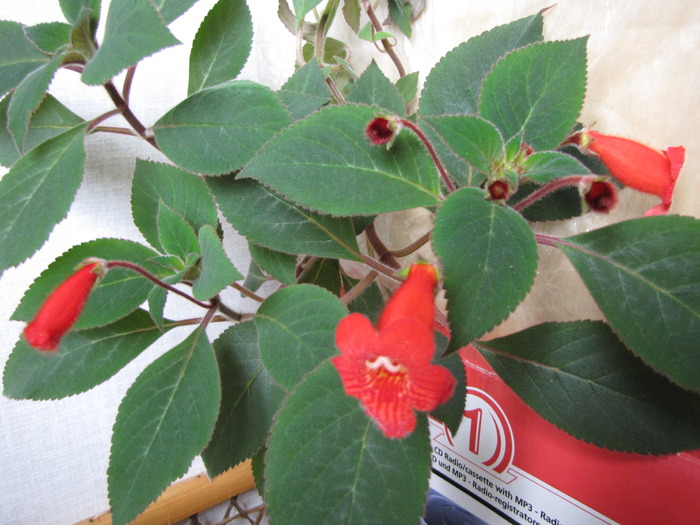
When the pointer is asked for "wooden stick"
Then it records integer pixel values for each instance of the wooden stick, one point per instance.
(189, 496)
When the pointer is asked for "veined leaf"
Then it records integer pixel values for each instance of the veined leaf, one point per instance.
(164, 421)
(321, 432)
(548, 81)
(269, 220)
(18, 56)
(86, 359)
(644, 275)
(37, 192)
(326, 162)
(218, 271)
(305, 91)
(134, 30)
(198, 135)
(545, 166)
(489, 257)
(302, 8)
(176, 236)
(50, 37)
(172, 9)
(296, 331)
(281, 266)
(375, 89)
(580, 377)
(249, 400)
(221, 46)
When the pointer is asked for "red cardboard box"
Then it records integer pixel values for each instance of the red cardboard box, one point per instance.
(508, 465)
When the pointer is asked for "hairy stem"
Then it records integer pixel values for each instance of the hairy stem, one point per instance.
(431, 151)
(548, 188)
(385, 42)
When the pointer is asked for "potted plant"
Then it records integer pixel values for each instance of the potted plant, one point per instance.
(359, 200)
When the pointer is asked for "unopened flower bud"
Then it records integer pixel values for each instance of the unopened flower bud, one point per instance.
(600, 195)
(382, 130)
(63, 307)
(499, 190)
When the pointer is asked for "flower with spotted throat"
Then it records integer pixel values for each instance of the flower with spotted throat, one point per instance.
(389, 368)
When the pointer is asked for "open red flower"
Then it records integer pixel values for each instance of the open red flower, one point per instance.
(63, 307)
(638, 166)
(389, 369)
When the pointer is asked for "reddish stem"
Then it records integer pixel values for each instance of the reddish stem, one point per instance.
(433, 154)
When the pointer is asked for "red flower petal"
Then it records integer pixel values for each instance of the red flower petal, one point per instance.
(355, 336)
(408, 342)
(429, 387)
(415, 298)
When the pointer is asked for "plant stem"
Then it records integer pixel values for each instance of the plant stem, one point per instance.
(385, 42)
(356, 290)
(385, 255)
(433, 154)
(408, 250)
(247, 292)
(128, 80)
(548, 188)
(381, 268)
(97, 120)
(126, 112)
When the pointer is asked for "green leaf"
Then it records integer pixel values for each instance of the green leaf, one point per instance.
(559, 205)
(86, 359)
(321, 433)
(489, 258)
(269, 220)
(51, 118)
(408, 86)
(182, 191)
(119, 293)
(281, 266)
(172, 9)
(36, 194)
(375, 89)
(198, 135)
(454, 84)
(471, 138)
(76, 11)
(221, 46)
(324, 273)
(352, 13)
(255, 277)
(644, 275)
(296, 331)
(302, 8)
(451, 412)
(18, 56)
(548, 81)
(249, 400)
(546, 166)
(218, 271)
(50, 37)
(400, 14)
(581, 378)
(133, 30)
(326, 162)
(176, 236)
(27, 97)
(305, 91)
(368, 33)
(164, 421)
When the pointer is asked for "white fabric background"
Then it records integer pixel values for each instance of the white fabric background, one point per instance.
(644, 81)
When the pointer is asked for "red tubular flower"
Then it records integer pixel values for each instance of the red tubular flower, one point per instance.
(638, 166)
(389, 369)
(63, 307)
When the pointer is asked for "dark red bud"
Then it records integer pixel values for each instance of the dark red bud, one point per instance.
(380, 131)
(601, 196)
(499, 190)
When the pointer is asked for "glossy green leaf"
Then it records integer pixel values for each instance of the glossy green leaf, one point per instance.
(51, 118)
(50, 37)
(249, 400)
(546, 166)
(176, 236)
(134, 30)
(559, 205)
(27, 97)
(305, 91)
(221, 46)
(198, 135)
(324, 273)
(281, 266)
(172, 9)
(644, 275)
(164, 421)
(18, 56)
(119, 293)
(36, 194)
(580, 377)
(489, 258)
(473, 139)
(296, 331)
(182, 191)
(269, 220)
(218, 271)
(375, 89)
(84, 360)
(454, 84)
(326, 162)
(327, 462)
(548, 81)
